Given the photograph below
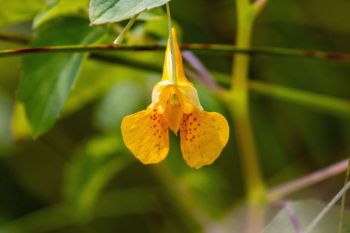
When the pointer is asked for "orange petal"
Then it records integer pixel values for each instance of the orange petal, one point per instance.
(180, 74)
(203, 136)
(146, 135)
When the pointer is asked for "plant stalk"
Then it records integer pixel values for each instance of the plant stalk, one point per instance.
(239, 106)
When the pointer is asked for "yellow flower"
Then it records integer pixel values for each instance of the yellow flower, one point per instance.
(175, 106)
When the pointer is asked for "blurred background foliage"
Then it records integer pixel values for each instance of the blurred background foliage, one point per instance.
(79, 177)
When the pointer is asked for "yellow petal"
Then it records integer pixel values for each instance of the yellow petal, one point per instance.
(189, 98)
(160, 95)
(180, 74)
(146, 135)
(203, 136)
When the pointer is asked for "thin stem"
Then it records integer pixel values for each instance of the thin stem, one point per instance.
(270, 51)
(343, 200)
(171, 41)
(283, 190)
(319, 217)
(125, 30)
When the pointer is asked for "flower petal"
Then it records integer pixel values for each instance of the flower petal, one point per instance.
(167, 68)
(146, 135)
(189, 97)
(203, 136)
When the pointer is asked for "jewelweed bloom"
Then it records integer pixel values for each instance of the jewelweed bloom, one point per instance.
(175, 106)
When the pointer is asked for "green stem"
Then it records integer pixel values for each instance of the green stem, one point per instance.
(125, 30)
(270, 51)
(239, 106)
(327, 104)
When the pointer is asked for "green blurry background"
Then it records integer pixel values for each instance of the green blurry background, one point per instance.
(79, 177)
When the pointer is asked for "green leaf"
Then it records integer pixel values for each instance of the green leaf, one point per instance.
(15, 11)
(109, 11)
(61, 8)
(154, 14)
(95, 164)
(302, 213)
(48, 78)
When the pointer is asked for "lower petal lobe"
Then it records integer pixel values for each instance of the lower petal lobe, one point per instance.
(146, 135)
(203, 136)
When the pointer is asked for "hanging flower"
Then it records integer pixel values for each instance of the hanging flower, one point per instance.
(175, 106)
